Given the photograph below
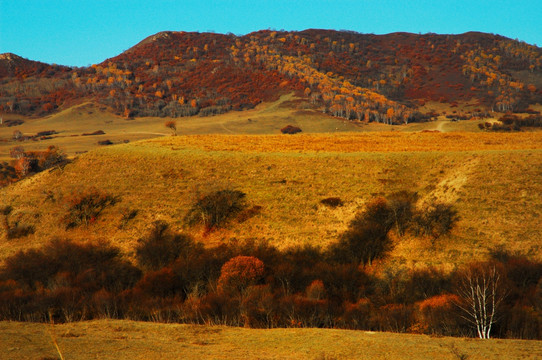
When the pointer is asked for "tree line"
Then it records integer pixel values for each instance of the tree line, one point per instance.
(172, 278)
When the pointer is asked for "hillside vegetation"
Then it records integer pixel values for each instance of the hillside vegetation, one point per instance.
(381, 78)
(492, 180)
(369, 231)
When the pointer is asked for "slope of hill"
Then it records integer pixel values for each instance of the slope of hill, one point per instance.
(70, 124)
(492, 180)
(380, 78)
(108, 339)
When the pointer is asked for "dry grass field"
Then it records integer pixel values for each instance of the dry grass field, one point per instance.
(71, 123)
(114, 339)
(266, 118)
(493, 180)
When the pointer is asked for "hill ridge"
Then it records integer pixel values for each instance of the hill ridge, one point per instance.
(361, 77)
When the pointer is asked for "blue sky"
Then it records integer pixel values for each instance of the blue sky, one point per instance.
(81, 32)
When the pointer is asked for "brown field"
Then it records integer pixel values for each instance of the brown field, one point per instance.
(115, 339)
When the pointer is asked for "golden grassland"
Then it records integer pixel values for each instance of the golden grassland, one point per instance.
(497, 189)
(493, 180)
(266, 118)
(71, 123)
(115, 339)
(380, 142)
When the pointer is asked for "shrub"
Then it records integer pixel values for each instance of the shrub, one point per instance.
(394, 317)
(316, 290)
(19, 230)
(27, 162)
(84, 207)
(239, 273)
(161, 247)
(424, 283)
(88, 265)
(215, 209)
(436, 220)
(438, 315)
(8, 174)
(160, 283)
(289, 129)
(172, 125)
(29, 268)
(332, 202)
(357, 315)
(97, 132)
(402, 208)
(127, 215)
(367, 236)
(259, 308)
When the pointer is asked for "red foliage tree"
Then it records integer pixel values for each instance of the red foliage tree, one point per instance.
(239, 273)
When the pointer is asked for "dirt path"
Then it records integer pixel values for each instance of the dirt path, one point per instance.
(225, 128)
(447, 190)
(440, 125)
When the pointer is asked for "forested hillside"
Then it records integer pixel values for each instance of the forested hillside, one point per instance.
(381, 78)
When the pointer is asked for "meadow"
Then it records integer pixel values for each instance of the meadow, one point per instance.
(496, 189)
(493, 180)
(267, 118)
(114, 339)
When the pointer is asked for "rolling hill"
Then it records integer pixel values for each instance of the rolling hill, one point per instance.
(491, 178)
(365, 104)
(382, 78)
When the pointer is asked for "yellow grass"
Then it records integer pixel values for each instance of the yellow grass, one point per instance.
(114, 339)
(266, 118)
(380, 142)
(497, 190)
(71, 123)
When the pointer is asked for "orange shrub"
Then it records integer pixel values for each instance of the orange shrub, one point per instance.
(239, 273)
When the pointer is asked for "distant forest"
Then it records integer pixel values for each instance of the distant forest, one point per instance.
(382, 78)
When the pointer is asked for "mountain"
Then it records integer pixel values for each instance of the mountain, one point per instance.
(383, 78)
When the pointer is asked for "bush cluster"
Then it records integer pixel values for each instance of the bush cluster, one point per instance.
(367, 236)
(83, 207)
(17, 229)
(215, 209)
(511, 122)
(290, 129)
(30, 162)
(175, 279)
(252, 284)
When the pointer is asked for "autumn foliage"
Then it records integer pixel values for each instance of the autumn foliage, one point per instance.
(239, 273)
(360, 77)
(83, 207)
(255, 285)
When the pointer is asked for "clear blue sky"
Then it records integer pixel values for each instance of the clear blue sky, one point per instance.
(81, 32)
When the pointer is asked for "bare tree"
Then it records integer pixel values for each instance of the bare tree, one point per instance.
(172, 125)
(480, 297)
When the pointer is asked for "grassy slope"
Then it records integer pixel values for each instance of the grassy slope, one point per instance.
(497, 189)
(266, 118)
(88, 117)
(108, 339)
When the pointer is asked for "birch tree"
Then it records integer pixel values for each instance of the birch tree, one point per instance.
(480, 296)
